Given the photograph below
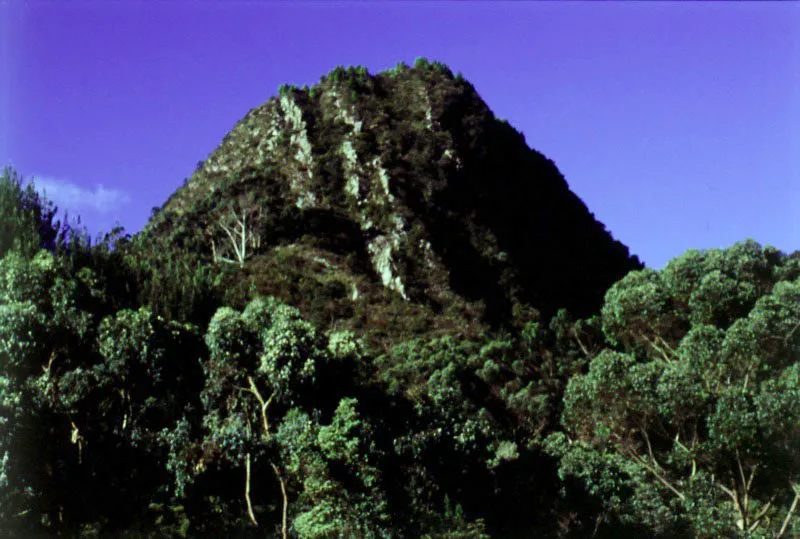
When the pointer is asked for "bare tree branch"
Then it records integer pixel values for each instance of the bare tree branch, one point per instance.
(734, 495)
(264, 404)
(789, 513)
(76, 438)
(658, 476)
(650, 449)
(284, 527)
(247, 490)
(688, 451)
(580, 343)
(239, 236)
(745, 497)
(760, 515)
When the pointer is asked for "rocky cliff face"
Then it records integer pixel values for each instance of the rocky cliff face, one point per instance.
(395, 204)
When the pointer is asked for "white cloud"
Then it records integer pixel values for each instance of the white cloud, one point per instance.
(68, 195)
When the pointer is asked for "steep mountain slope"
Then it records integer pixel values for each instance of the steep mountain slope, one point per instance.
(394, 203)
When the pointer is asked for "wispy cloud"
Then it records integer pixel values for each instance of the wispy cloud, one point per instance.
(68, 195)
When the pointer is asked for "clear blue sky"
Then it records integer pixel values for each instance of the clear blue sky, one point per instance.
(677, 123)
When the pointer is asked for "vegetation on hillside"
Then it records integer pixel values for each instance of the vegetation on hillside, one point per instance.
(393, 201)
(672, 412)
(151, 388)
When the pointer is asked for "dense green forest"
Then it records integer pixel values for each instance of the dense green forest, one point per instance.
(376, 358)
(672, 412)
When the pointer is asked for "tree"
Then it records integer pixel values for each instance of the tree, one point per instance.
(264, 376)
(83, 396)
(175, 283)
(147, 371)
(695, 431)
(27, 220)
(240, 238)
(41, 331)
(717, 286)
(455, 435)
(638, 314)
(315, 456)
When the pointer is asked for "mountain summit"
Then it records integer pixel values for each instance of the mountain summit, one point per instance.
(394, 203)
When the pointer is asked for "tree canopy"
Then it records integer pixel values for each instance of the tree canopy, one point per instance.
(692, 426)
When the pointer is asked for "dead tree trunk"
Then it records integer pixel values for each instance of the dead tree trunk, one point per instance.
(239, 237)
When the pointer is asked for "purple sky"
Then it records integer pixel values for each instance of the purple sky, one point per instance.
(677, 123)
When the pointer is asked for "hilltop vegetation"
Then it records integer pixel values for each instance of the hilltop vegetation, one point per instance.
(393, 202)
(149, 388)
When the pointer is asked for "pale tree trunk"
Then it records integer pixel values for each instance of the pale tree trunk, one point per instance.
(284, 527)
(247, 491)
(789, 514)
(239, 238)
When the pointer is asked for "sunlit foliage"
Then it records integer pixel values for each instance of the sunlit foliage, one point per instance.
(692, 427)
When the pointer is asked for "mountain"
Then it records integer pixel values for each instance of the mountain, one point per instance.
(144, 392)
(392, 204)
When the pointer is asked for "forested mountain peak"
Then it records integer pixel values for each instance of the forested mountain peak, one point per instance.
(394, 202)
(209, 377)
